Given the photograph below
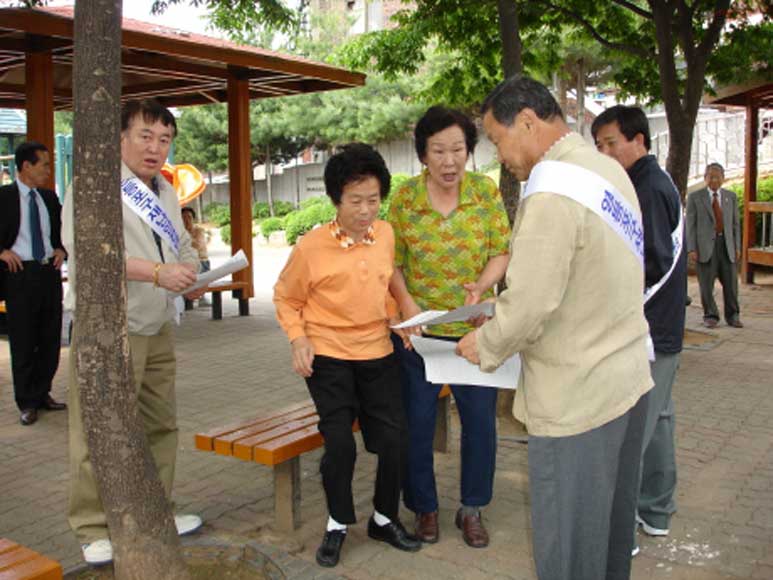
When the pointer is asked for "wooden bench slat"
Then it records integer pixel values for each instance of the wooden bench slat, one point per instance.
(291, 445)
(41, 568)
(243, 449)
(205, 441)
(224, 443)
(20, 563)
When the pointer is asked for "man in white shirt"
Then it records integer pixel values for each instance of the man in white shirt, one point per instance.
(714, 242)
(31, 256)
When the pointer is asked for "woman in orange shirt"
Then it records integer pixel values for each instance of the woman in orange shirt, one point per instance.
(332, 299)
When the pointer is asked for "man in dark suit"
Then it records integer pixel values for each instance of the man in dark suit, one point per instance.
(714, 241)
(31, 256)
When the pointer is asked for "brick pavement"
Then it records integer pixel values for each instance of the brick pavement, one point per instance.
(724, 527)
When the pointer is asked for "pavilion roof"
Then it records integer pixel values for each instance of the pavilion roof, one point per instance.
(177, 67)
(757, 93)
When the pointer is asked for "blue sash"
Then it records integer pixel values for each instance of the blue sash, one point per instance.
(147, 205)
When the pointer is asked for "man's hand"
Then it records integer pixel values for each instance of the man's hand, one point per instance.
(196, 294)
(303, 356)
(59, 256)
(468, 347)
(693, 255)
(176, 277)
(12, 260)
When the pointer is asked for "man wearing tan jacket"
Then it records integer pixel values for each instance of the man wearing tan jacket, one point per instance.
(159, 260)
(573, 309)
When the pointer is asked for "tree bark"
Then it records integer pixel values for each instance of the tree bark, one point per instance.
(142, 530)
(512, 63)
(269, 193)
(581, 96)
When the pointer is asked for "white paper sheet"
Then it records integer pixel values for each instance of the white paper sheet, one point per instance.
(235, 263)
(443, 365)
(444, 316)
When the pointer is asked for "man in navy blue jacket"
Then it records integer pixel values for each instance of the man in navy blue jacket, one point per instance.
(623, 133)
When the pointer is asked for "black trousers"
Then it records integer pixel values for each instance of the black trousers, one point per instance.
(368, 390)
(719, 266)
(33, 299)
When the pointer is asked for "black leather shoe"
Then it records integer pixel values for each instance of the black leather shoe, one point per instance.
(394, 534)
(329, 550)
(51, 405)
(28, 416)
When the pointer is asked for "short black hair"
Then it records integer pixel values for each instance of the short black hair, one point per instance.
(714, 165)
(520, 92)
(189, 209)
(437, 119)
(28, 151)
(151, 111)
(352, 163)
(631, 121)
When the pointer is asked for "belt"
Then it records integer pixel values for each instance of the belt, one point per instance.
(43, 262)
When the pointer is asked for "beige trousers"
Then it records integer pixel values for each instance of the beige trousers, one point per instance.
(154, 367)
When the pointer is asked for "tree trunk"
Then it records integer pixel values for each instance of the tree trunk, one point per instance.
(512, 63)
(581, 96)
(268, 182)
(679, 151)
(141, 527)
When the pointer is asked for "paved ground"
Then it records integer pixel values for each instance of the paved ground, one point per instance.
(724, 527)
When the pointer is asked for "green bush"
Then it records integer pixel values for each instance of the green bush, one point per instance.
(225, 233)
(271, 225)
(261, 210)
(299, 222)
(764, 193)
(218, 213)
(320, 199)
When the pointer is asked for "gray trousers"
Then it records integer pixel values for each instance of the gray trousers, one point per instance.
(658, 472)
(583, 499)
(719, 266)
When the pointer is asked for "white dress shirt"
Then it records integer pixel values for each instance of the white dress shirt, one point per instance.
(23, 244)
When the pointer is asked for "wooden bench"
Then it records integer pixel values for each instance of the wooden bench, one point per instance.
(280, 438)
(20, 563)
(217, 300)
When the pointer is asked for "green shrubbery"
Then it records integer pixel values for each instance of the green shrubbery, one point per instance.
(218, 213)
(301, 221)
(270, 225)
(225, 233)
(764, 193)
(260, 209)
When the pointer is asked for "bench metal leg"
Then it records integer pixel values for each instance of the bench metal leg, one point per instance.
(443, 425)
(217, 306)
(244, 307)
(287, 495)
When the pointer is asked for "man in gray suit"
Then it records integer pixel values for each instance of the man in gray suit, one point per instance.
(714, 241)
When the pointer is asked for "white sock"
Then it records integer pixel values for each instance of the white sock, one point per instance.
(380, 519)
(333, 526)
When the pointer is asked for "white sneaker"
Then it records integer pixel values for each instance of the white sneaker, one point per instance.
(187, 523)
(98, 552)
(635, 551)
(650, 530)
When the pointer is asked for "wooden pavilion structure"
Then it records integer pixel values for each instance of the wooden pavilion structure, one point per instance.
(176, 67)
(752, 96)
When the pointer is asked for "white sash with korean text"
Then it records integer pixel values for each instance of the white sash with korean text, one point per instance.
(598, 195)
(142, 201)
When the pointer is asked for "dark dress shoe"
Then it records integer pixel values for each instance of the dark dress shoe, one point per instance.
(710, 323)
(473, 532)
(394, 534)
(427, 528)
(51, 405)
(28, 416)
(735, 323)
(329, 550)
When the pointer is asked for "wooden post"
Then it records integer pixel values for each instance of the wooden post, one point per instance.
(240, 173)
(39, 81)
(287, 495)
(749, 191)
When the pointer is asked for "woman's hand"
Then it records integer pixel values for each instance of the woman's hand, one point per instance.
(303, 356)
